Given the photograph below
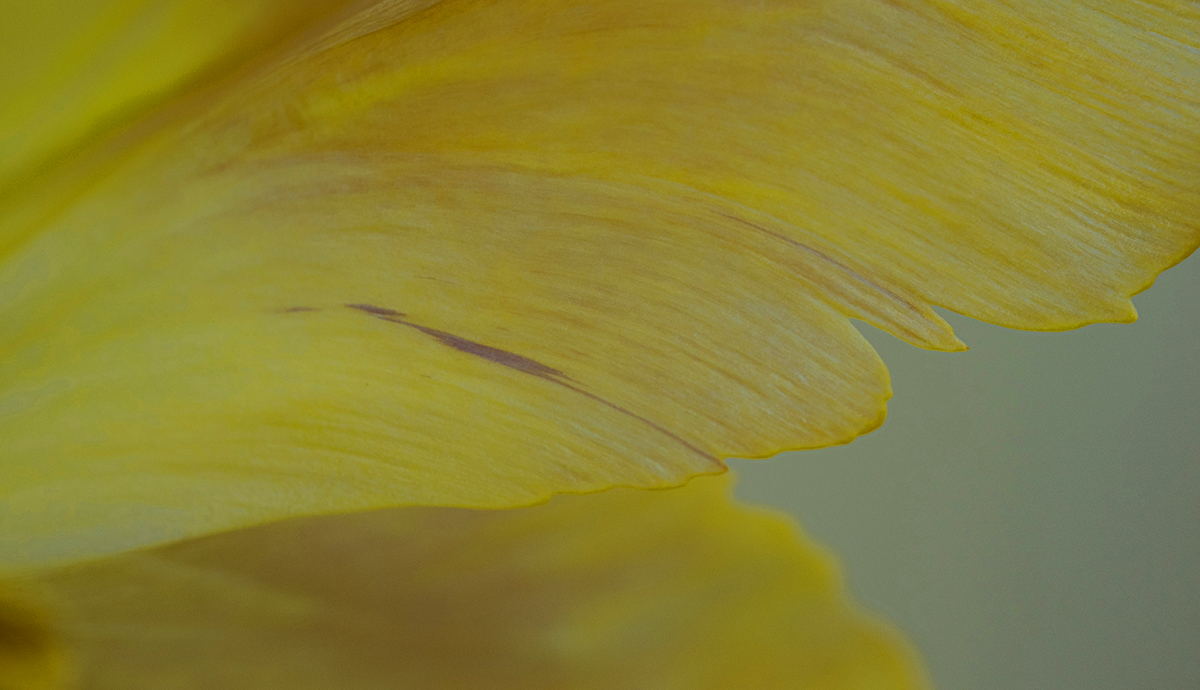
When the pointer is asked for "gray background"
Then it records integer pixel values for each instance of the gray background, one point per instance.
(1030, 511)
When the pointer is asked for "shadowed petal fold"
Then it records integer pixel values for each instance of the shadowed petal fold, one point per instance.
(625, 589)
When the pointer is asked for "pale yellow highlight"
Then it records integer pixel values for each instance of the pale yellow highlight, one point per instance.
(679, 206)
(626, 589)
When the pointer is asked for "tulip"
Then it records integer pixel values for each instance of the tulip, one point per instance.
(283, 262)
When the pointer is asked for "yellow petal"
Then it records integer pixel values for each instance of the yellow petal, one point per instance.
(33, 655)
(495, 250)
(625, 589)
(71, 67)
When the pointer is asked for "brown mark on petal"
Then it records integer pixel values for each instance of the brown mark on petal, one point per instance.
(377, 311)
(617, 408)
(846, 270)
(296, 310)
(524, 365)
(494, 354)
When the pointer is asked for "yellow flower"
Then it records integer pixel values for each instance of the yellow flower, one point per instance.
(623, 589)
(465, 253)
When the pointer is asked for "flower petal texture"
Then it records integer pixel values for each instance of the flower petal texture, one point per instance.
(473, 253)
(69, 68)
(622, 589)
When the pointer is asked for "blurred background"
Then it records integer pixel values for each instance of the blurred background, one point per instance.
(1030, 512)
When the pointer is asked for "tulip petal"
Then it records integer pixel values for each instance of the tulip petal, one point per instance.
(33, 655)
(69, 68)
(475, 253)
(625, 589)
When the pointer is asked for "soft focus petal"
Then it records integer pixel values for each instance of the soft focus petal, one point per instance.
(496, 250)
(71, 67)
(33, 653)
(625, 589)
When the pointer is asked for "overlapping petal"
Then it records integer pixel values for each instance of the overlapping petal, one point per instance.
(475, 253)
(623, 589)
